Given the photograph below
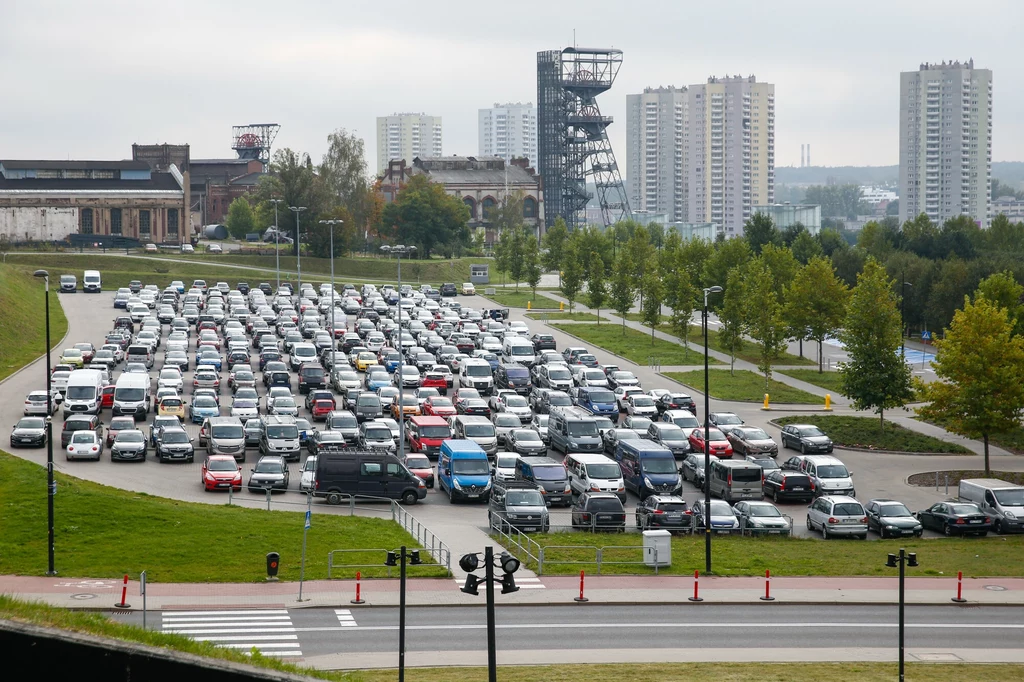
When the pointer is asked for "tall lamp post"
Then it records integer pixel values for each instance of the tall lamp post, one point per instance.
(398, 558)
(901, 560)
(277, 244)
(398, 251)
(51, 486)
(707, 435)
(903, 318)
(331, 224)
(509, 565)
(298, 244)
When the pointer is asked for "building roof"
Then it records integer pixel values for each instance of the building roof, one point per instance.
(126, 164)
(247, 179)
(472, 176)
(157, 182)
(220, 162)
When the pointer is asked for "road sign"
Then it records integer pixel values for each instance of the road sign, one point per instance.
(926, 336)
(308, 517)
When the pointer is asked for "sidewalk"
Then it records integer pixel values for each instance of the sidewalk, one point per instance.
(103, 594)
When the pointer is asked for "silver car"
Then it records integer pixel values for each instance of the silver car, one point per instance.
(836, 515)
(761, 518)
(270, 473)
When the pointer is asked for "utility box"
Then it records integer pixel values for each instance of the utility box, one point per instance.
(479, 273)
(657, 548)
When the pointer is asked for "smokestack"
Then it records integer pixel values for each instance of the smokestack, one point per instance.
(808, 155)
(801, 156)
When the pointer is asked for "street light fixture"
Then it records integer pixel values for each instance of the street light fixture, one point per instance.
(298, 243)
(51, 486)
(398, 558)
(901, 560)
(277, 244)
(398, 251)
(707, 435)
(332, 223)
(509, 565)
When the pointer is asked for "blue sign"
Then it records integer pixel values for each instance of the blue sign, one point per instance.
(926, 336)
(308, 516)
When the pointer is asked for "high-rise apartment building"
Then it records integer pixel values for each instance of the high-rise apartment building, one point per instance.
(407, 136)
(655, 123)
(508, 131)
(946, 142)
(729, 151)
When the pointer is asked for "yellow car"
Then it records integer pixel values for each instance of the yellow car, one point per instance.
(73, 357)
(364, 360)
(410, 407)
(468, 289)
(171, 406)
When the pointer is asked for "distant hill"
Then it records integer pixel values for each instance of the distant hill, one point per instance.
(1009, 172)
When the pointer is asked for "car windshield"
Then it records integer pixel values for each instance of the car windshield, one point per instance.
(268, 467)
(478, 370)
(174, 402)
(516, 401)
(506, 419)
(228, 431)
(848, 509)
(673, 434)
(524, 498)
(284, 401)
(626, 434)
(344, 420)
(747, 474)
(524, 435)
(565, 375)
(506, 462)
(348, 376)
(810, 431)
(414, 461)
(602, 470)
(470, 467)
(583, 428)
(764, 510)
(833, 471)
(658, 465)
(713, 434)
(283, 431)
(170, 374)
(439, 431)
(721, 508)
(756, 434)
(602, 396)
(379, 434)
(129, 437)
(595, 375)
(204, 401)
(1011, 497)
(894, 510)
(82, 393)
(222, 465)
(605, 504)
(82, 437)
(175, 437)
(961, 509)
(32, 423)
(479, 431)
(549, 472)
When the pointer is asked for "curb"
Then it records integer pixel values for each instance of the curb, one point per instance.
(891, 452)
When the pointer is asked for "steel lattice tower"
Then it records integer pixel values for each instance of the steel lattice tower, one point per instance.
(572, 138)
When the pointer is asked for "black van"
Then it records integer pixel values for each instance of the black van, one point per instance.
(373, 474)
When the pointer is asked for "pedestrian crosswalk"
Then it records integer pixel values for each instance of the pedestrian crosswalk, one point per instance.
(345, 618)
(269, 630)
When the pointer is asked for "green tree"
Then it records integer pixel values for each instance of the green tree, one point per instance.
(875, 376)
(816, 303)
(597, 290)
(683, 302)
(763, 315)
(759, 229)
(727, 255)
(502, 249)
(424, 214)
(654, 296)
(1002, 289)
(573, 271)
(240, 220)
(531, 262)
(805, 247)
(980, 364)
(343, 173)
(553, 245)
(875, 240)
(516, 257)
(623, 289)
(293, 178)
(732, 316)
(782, 265)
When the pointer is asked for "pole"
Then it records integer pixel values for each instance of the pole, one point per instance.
(298, 243)
(142, 589)
(401, 620)
(903, 318)
(492, 656)
(334, 339)
(903, 556)
(707, 449)
(305, 530)
(51, 486)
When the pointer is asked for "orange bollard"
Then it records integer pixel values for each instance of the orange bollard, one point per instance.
(358, 599)
(123, 604)
(696, 596)
(767, 586)
(580, 599)
(959, 598)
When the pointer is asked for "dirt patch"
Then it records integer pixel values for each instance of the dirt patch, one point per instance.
(927, 479)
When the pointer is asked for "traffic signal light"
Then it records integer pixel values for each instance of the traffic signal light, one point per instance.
(508, 584)
(471, 585)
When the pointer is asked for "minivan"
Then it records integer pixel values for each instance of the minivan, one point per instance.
(138, 352)
(224, 436)
(426, 434)
(279, 435)
(830, 476)
(516, 348)
(463, 470)
(549, 476)
(648, 468)
(1001, 500)
(68, 284)
(572, 429)
(513, 376)
(519, 505)
(589, 472)
(480, 430)
(476, 373)
(373, 474)
(92, 283)
(733, 480)
(131, 395)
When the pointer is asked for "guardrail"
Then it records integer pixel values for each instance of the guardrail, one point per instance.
(607, 555)
(518, 543)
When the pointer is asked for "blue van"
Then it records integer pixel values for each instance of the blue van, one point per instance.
(463, 471)
(648, 468)
(598, 401)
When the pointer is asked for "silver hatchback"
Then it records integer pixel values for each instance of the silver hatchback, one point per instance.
(836, 515)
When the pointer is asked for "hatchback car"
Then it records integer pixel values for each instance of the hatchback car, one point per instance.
(664, 512)
(270, 473)
(751, 440)
(129, 446)
(419, 464)
(84, 445)
(719, 444)
(837, 515)
(599, 512)
(723, 517)
(36, 403)
(221, 472)
(806, 438)
(761, 518)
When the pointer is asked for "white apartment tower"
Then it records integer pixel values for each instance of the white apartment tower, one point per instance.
(946, 142)
(729, 151)
(407, 136)
(654, 151)
(509, 131)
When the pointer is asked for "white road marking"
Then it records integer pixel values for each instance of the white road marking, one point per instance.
(268, 630)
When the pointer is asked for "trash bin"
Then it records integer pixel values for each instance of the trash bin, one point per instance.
(273, 563)
(657, 548)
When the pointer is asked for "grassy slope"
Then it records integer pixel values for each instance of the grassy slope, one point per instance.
(744, 385)
(565, 315)
(22, 322)
(174, 541)
(864, 432)
(830, 381)
(632, 344)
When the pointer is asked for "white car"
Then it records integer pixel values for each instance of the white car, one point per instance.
(244, 408)
(308, 472)
(283, 405)
(170, 377)
(85, 445)
(187, 248)
(468, 289)
(36, 404)
(518, 327)
(623, 392)
(641, 405)
(505, 466)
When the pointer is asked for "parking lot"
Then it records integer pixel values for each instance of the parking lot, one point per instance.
(91, 317)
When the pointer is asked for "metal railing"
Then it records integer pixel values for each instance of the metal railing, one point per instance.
(607, 555)
(438, 551)
(518, 543)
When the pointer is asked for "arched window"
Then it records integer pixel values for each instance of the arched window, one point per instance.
(471, 205)
(488, 207)
(529, 207)
(85, 217)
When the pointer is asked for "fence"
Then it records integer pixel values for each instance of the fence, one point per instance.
(606, 555)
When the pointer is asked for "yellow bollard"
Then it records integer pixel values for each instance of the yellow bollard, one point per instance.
(765, 402)
(561, 305)
(828, 402)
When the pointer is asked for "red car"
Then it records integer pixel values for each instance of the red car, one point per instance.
(207, 324)
(720, 445)
(322, 409)
(435, 380)
(438, 406)
(88, 351)
(221, 472)
(107, 397)
(418, 464)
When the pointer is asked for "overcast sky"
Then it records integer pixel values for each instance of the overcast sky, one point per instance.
(86, 79)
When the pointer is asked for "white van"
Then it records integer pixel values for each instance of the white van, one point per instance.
(515, 348)
(131, 395)
(1003, 500)
(92, 283)
(476, 373)
(82, 395)
(591, 472)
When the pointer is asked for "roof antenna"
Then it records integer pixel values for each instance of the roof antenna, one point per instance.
(574, 39)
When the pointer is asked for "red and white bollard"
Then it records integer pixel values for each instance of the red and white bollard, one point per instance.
(123, 604)
(959, 598)
(696, 595)
(358, 599)
(767, 586)
(580, 599)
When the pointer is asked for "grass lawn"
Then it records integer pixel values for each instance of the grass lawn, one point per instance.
(826, 380)
(864, 432)
(174, 541)
(565, 315)
(22, 320)
(633, 345)
(512, 299)
(744, 385)
(750, 556)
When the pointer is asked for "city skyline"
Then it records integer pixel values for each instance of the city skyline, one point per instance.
(324, 66)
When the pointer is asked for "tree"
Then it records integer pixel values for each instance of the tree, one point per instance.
(726, 256)
(572, 271)
(553, 244)
(683, 302)
(343, 170)
(805, 247)
(623, 289)
(654, 296)
(515, 257)
(759, 229)
(763, 316)
(597, 292)
(531, 258)
(318, 237)
(425, 215)
(731, 316)
(1003, 290)
(240, 220)
(502, 249)
(782, 265)
(293, 179)
(875, 376)
(980, 364)
(816, 303)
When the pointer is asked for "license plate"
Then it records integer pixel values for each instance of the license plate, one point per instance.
(473, 495)
(722, 532)
(849, 521)
(223, 485)
(774, 532)
(675, 517)
(530, 528)
(796, 489)
(975, 521)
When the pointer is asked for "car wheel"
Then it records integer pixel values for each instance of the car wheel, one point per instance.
(775, 497)
(410, 497)
(333, 498)
(881, 532)
(824, 532)
(810, 526)
(1000, 527)
(948, 530)
(803, 449)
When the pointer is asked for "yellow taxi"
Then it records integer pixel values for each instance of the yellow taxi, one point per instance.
(364, 360)
(171, 406)
(73, 357)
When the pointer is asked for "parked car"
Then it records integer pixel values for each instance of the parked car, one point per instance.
(725, 421)
(751, 440)
(270, 473)
(129, 446)
(29, 432)
(723, 518)
(890, 518)
(787, 486)
(956, 518)
(84, 445)
(664, 512)
(719, 445)
(806, 438)
(599, 511)
(693, 468)
(761, 518)
(837, 515)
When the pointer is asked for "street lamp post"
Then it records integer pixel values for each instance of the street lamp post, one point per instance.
(509, 565)
(50, 484)
(901, 560)
(903, 318)
(277, 244)
(398, 557)
(298, 244)
(334, 344)
(398, 251)
(707, 436)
